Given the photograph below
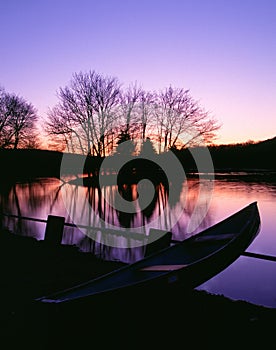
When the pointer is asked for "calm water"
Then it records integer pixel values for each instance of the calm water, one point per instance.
(198, 206)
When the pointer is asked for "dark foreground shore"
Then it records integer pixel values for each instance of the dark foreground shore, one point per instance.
(167, 318)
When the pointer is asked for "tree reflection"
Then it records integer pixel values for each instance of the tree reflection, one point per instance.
(96, 207)
(129, 193)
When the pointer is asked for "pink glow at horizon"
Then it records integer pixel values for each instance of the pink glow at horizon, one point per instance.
(224, 52)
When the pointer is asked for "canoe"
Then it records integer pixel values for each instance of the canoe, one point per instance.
(190, 262)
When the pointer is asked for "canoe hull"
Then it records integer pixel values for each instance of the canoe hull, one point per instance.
(190, 262)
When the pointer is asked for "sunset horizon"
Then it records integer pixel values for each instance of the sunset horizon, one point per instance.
(223, 53)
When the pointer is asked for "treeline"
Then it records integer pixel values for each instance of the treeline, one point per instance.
(245, 156)
(26, 164)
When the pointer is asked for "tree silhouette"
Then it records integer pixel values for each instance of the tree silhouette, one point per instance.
(17, 122)
(95, 114)
(86, 113)
(129, 104)
(181, 121)
(125, 146)
(147, 148)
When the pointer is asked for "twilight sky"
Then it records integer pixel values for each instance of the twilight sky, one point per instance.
(223, 51)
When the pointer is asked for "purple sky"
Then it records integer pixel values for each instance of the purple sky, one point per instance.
(223, 51)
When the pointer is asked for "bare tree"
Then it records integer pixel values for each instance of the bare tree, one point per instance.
(136, 106)
(65, 131)
(4, 116)
(17, 122)
(106, 93)
(86, 113)
(129, 103)
(181, 121)
(147, 101)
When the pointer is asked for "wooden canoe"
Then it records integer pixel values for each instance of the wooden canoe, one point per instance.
(190, 262)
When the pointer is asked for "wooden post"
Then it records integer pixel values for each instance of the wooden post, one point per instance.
(54, 229)
(161, 240)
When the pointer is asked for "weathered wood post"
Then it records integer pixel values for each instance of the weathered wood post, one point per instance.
(160, 239)
(54, 229)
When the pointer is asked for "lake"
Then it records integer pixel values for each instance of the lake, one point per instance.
(198, 205)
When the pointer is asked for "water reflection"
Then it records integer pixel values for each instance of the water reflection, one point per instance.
(129, 193)
(96, 207)
(31, 199)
